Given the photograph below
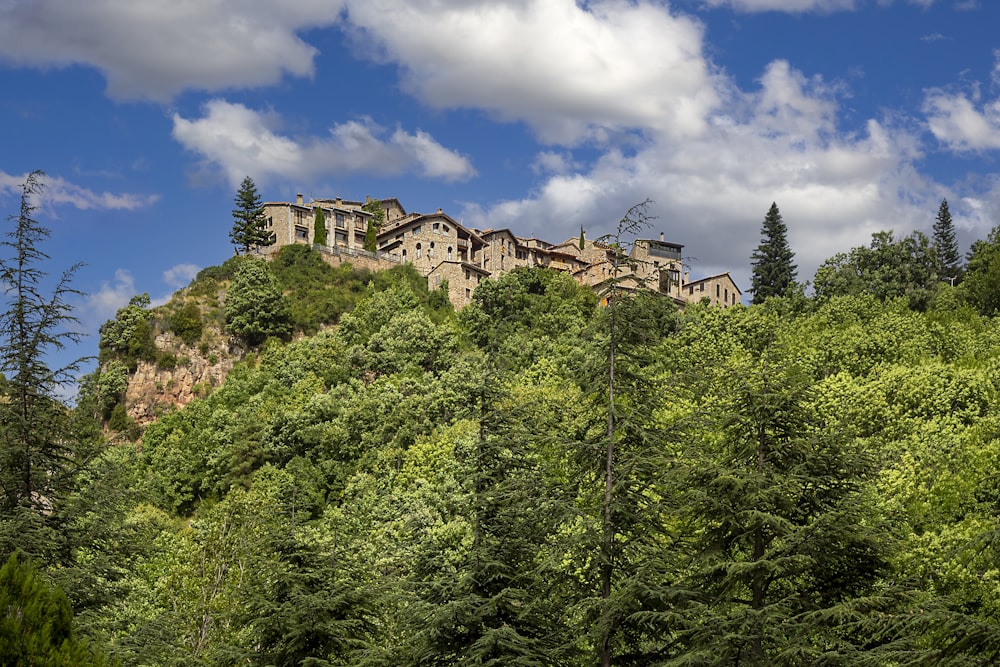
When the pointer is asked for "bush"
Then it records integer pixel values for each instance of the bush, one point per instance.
(186, 323)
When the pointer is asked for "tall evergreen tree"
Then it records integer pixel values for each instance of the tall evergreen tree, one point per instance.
(945, 247)
(34, 431)
(773, 270)
(786, 544)
(249, 224)
(375, 223)
(319, 227)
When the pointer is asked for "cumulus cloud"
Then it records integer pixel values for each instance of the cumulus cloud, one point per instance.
(240, 141)
(58, 191)
(573, 71)
(961, 123)
(777, 143)
(154, 50)
(180, 275)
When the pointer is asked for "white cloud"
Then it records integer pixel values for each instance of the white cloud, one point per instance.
(59, 191)
(180, 275)
(961, 123)
(240, 141)
(154, 50)
(102, 305)
(572, 70)
(779, 143)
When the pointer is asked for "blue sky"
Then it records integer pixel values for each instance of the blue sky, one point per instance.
(538, 115)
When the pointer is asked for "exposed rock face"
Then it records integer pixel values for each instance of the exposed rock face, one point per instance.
(153, 390)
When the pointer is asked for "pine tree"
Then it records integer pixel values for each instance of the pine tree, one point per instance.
(249, 224)
(945, 247)
(34, 431)
(773, 270)
(375, 223)
(787, 550)
(319, 227)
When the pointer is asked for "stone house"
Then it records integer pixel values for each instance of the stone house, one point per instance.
(442, 249)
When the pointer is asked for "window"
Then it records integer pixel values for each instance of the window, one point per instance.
(690, 289)
(468, 293)
(446, 230)
(725, 299)
(467, 275)
(404, 254)
(418, 251)
(340, 220)
(416, 230)
(449, 253)
(701, 287)
(301, 233)
(270, 222)
(717, 291)
(436, 227)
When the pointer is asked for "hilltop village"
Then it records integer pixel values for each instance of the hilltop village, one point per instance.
(448, 253)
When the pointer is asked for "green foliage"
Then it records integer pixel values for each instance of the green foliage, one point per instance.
(255, 306)
(981, 283)
(249, 230)
(773, 269)
(186, 322)
(887, 269)
(375, 223)
(319, 226)
(318, 294)
(35, 441)
(36, 624)
(129, 337)
(949, 266)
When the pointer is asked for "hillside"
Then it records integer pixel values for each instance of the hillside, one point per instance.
(395, 483)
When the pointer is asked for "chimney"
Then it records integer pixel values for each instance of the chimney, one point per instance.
(661, 236)
(687, 277)
(298, 199)
(439, 211)
(339, 202)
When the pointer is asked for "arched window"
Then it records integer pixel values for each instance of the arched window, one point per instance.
(404, 254)
(418, 251)
(449, 253)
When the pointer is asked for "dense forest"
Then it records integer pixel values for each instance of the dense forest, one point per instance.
(534, 480)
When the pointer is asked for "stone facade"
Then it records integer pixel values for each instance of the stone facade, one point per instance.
(442, 249)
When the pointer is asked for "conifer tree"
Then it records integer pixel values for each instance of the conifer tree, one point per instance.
(773, 270)
(249, 230)
(34, 434)
(787, 548)
(945, 247)
(319, 227)
(375, 223)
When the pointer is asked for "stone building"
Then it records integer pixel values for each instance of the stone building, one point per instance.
(445, 251)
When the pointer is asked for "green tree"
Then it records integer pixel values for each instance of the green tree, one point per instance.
(36, 622)
(887, 269)
(34, 437)
(249, 230)
(945, 247)
(981, 283)
(786, 543)
(319, 227)
(128, 337)
(375, 223)
(255, 306)
(773, 270)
